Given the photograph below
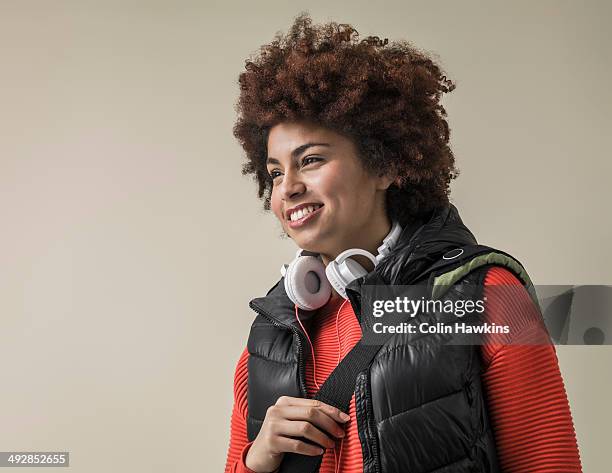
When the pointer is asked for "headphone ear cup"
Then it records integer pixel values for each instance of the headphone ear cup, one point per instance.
(306, 283)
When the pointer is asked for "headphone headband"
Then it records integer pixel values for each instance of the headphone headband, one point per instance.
(389, 241)
(353, 252)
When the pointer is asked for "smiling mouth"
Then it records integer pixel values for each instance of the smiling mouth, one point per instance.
(302, 212)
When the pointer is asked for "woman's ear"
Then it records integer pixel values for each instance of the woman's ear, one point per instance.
(386, 179)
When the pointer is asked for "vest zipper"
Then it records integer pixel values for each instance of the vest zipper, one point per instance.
(365, 420)
(365, 416)
(300, 338)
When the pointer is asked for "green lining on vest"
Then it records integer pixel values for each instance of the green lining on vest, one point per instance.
(442, 282)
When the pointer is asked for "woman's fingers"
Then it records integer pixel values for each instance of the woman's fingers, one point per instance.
(304, 429)
(289, 426)
(314, 415)
(299, 446)
(331, 411)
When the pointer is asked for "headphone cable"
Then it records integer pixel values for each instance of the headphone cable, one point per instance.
(314, 369)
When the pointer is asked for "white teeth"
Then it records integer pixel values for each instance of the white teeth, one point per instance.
(298, 214)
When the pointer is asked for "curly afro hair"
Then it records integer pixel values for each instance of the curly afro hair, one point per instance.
(385, 97)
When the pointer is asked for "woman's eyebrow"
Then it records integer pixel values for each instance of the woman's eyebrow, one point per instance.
(297, 151)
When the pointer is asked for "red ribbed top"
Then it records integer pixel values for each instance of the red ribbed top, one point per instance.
(526, 398)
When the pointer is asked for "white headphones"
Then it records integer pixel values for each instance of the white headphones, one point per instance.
(308, 283)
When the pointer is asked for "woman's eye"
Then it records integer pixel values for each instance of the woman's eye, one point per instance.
(274, 174)
(310, 159)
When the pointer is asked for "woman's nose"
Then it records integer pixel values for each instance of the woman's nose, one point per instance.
(292, 186)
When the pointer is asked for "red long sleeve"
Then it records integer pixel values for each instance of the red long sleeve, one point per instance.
(525, 395)
(527, 401)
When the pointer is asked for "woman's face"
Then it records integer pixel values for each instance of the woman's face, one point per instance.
(322, 195)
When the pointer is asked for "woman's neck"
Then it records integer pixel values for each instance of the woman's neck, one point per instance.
(369, 240)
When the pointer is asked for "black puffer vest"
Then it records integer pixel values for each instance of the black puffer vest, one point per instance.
(420, 405)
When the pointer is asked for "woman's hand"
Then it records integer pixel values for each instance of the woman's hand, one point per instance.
(294, 417)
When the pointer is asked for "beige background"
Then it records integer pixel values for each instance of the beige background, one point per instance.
(130, 244)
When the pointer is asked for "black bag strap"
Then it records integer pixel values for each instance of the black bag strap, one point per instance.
(336, 391)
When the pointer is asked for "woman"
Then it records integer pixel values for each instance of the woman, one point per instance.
(348, 143)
